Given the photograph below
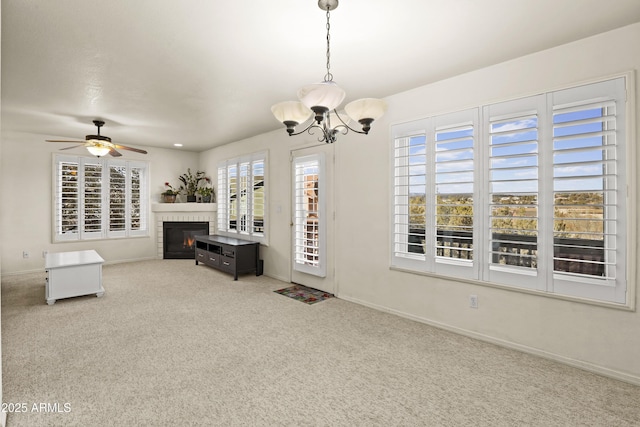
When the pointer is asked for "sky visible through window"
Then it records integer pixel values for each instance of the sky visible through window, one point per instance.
(578, 145)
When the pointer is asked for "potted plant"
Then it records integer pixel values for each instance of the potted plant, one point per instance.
(190, 183)
(169, 195)
(206, 193)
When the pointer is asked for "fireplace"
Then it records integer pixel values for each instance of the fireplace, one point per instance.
(179, 238)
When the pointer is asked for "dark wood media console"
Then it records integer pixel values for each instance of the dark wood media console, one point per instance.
(234, 256)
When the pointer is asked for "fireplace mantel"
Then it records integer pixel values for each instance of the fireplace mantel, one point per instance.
(184, 207)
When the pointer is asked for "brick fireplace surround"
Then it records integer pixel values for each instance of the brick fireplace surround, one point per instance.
(182, 212)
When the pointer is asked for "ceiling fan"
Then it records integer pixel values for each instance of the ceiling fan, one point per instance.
(99, 145)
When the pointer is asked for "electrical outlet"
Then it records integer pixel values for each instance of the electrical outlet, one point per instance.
(473, 301)
(25, 254)
(44, 254)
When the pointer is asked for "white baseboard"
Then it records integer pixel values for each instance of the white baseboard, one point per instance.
(41, 270)
(596, 369)
(282, 279)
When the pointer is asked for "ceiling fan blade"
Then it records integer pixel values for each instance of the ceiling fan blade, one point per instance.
(123, 147)
(64, 140)
(114, 153)
(69, 148)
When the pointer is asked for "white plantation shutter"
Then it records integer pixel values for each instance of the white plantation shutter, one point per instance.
(534, 197)
(258, 197)
(99, 198)
(454, 193)
(92, 205)
(67, 201)
(309, 215)
(223, 198)
(117, 198)
(454, 176)
(137, 214)
(242, 198)
(232, 197)
(410, 196)
(513, 204)
(589, 191)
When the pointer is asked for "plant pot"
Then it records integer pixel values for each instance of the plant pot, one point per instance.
(169, 198)
(206, 199)
(191, 199)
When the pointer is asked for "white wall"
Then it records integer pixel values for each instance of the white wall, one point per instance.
(601, 339)
(26, 207)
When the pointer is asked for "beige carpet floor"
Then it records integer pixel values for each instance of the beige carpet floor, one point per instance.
(174, 344)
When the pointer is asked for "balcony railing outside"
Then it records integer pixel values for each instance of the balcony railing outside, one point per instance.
(581, 256)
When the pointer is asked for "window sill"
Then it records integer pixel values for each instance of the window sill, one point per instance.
(625, 307)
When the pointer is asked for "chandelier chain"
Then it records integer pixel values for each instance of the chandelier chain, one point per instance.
(328, 77)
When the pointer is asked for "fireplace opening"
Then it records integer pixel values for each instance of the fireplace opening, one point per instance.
(179, 238)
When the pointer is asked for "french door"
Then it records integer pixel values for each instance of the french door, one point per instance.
(312, 217)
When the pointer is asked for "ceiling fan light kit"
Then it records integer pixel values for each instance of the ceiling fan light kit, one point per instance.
(322, 99)
(99, 145)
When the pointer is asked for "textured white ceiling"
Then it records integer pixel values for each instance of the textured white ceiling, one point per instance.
(206, 72)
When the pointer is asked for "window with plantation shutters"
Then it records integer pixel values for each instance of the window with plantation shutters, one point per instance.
(241, 197)
(99, 198)
(434, 192)
(531, 193)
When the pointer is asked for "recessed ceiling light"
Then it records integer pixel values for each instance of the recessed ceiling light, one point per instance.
(177, 145)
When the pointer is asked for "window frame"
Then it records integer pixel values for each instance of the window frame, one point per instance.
(251, 204)
(544, 279)
(103, 230)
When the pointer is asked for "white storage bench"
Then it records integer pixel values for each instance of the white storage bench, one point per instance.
(72, 274)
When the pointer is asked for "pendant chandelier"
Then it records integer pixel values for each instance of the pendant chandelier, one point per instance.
(322, 100)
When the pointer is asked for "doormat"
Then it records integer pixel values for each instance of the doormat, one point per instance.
(304, 294)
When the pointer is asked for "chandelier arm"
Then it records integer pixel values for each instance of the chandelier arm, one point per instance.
(312, 124)
(309, 129)
(346, 125)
